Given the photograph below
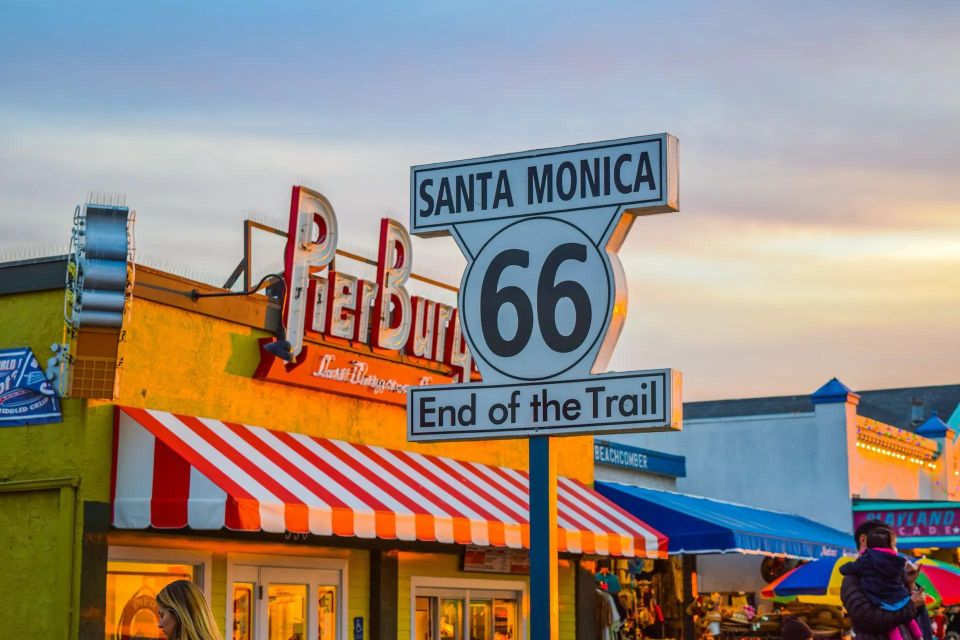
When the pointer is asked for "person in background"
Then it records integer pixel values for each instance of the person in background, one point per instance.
(184, 613)
(911, 572)
(883, 578)
(795, 629)
(871, 622)
(938, 624)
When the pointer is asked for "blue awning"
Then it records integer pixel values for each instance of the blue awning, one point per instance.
(698, 525)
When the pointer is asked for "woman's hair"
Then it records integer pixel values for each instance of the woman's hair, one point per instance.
(187, 604)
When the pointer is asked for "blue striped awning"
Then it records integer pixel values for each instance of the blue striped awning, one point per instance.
(696, 525)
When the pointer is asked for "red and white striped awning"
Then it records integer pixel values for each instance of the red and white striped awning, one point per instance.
(173, 471)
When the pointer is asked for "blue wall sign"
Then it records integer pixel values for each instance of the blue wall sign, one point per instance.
(26, 397)
(615, 454)
(358, 628)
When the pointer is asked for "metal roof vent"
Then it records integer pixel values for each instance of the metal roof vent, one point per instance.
(916, 411)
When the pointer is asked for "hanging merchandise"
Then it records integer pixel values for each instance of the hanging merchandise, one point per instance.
(608, 619)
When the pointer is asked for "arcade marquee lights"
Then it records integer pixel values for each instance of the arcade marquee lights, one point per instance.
(896, 443)
(896, 454)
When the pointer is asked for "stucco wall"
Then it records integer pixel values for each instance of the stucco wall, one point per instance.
(78, 447)
(29, 564)
(795, 463)
(873, 475)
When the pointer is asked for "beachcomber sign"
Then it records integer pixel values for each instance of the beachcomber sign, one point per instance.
(615, 454)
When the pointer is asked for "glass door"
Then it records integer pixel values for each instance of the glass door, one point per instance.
(279, 603)
(284, 607)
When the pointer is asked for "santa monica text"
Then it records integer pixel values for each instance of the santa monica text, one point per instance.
(568, 179)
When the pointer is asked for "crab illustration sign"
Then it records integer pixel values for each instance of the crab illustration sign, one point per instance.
(543, 297)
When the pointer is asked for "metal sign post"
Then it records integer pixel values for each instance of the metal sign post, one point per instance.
(544, 599)
(542, 303)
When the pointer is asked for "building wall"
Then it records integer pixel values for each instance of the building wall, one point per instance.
(76, 450)
(186, 363)
(180, 361)
(605, 473)
(28, 557)
(794, 462)
(873, 475)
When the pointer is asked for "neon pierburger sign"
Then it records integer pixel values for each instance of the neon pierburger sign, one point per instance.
(380, 313)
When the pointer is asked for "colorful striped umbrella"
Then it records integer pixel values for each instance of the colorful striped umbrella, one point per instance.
(818, 582)
(940, 580)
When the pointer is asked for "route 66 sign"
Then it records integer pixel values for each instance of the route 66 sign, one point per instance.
(543, 297)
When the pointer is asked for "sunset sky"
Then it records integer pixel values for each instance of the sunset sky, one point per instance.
(819, 231)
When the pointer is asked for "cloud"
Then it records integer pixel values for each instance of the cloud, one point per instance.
(819, 187)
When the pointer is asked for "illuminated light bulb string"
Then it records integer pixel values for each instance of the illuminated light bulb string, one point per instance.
(897, 444)
(944, 486)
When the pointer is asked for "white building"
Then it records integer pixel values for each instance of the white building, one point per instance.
(813, 455)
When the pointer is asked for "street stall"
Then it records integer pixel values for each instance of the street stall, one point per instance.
(721, 552)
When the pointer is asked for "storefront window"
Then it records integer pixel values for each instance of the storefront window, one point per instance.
(504, 619)
(492, 619)
(286, 611)
(327, 612)
(480, 618)
(424, 617)
(132, 589)
(242, 611)
(451, 619)
(490, 615)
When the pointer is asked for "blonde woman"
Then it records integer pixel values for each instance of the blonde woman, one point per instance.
(184, 613)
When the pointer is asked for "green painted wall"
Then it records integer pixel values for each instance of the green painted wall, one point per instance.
(28, 563)
(31, 532)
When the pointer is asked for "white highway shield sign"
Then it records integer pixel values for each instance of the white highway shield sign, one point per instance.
(543, 297)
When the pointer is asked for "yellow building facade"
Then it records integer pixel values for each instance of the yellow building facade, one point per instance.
(73, 572)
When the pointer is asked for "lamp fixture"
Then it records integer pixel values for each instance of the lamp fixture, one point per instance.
(279, 348)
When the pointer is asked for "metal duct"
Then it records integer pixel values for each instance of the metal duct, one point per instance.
(99, 319)
(93, 300)
(106, 233)
(104, 274)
